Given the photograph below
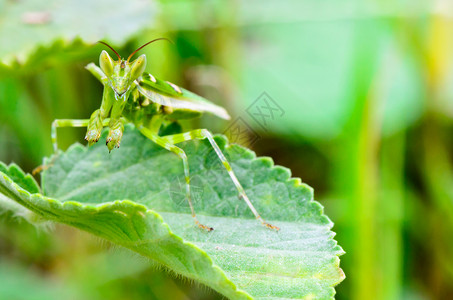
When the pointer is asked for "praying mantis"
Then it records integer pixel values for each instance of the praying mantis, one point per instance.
(132, 96)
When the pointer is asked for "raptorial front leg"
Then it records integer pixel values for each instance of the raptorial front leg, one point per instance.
(97, 118)
(116, 124)
(161, 141)
(202, 134)
(97, 72)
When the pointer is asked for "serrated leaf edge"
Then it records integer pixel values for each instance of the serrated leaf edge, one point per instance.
(104, 206)
(251, 155)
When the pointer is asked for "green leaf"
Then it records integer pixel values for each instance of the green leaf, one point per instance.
(240, 259)
(42, 29)
(25, 181)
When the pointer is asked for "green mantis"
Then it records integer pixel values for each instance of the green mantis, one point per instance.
(133, 96)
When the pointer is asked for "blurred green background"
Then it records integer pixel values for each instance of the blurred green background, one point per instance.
(358, 103)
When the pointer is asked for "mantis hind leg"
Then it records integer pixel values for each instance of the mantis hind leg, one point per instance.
(202, 134)
(161, 141)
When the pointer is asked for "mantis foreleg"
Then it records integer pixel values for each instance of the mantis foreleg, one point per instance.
(97, 72)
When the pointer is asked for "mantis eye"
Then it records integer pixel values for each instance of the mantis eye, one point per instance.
(106, 63)
(138, 67)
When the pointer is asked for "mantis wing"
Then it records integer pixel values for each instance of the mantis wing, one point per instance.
(169, 94)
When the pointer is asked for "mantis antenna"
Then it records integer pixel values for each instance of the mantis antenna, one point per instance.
(130, 56)
(119, 57)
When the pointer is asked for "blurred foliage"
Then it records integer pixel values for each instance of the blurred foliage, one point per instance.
(313, 65)
(42, 30)
(71, 264)
(367, 93)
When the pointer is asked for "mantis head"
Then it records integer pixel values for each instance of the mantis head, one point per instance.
(122, 73)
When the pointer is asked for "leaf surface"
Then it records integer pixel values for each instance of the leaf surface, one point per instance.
(134, 197)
